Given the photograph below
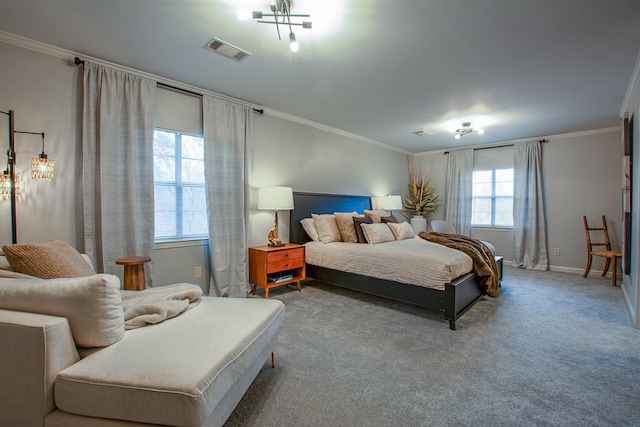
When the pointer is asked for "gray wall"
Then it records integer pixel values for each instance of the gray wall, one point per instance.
(631, 285)
(582, 176)
(312, 160)
(45, 92)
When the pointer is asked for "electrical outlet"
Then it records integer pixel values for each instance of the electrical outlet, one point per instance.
(198, 272)
(556, 251)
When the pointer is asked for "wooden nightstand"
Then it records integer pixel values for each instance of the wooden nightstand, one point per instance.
(267, 264)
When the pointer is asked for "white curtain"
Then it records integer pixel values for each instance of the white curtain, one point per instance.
(530, 228)
(117, 155)
(228, 156)
(459, 190)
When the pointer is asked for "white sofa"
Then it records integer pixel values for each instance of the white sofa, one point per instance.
(66, 359)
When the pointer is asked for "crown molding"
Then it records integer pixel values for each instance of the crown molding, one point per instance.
(632, 90)
(35, 46)
(320, 126)
(517, 141)
(70, 55)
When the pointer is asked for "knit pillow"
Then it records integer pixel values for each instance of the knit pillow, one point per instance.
(50, 260)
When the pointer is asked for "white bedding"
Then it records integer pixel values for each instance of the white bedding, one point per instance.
(413, 261)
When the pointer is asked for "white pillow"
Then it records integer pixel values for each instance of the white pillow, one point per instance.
(402, 230)
(327, 228)
(309, 226)
(377, 232)
(91, 304)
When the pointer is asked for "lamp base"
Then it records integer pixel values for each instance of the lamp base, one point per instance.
(276, 243)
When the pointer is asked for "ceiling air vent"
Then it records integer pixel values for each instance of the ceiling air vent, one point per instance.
(422, 133)
(227, 49)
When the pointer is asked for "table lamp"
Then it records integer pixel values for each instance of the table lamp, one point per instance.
(389, 203)
(275, 198)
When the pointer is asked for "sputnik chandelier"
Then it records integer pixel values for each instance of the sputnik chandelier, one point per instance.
(465, 129)
(282, 10)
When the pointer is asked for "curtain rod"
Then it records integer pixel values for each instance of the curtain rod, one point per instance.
(543, 141)
(78, 61)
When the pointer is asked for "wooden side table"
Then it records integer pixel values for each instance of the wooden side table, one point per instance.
(268, 263)
(134, 272)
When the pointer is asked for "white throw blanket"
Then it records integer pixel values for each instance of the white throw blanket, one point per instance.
(154, 305)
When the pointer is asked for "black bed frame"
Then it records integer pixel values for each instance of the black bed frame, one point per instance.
(458, 296)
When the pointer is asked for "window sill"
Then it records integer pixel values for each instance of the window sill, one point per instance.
(169, 244)
(491, 228)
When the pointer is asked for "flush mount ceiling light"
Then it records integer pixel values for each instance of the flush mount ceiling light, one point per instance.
(465, 129)
(282, 10)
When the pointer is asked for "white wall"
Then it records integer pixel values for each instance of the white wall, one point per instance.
(46, 94)
(581, 177)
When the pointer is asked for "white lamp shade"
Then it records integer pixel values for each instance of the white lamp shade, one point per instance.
(275, 198)
(389, 203)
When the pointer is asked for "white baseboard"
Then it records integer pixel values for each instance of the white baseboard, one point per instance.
(559, 268)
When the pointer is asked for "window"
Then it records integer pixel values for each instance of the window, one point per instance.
(180, 197)
(493, 198)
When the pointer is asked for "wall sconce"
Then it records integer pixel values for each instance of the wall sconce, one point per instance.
(41, 168)
(389, 203)
(275, 199)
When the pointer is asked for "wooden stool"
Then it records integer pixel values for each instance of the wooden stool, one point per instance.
(134, 272)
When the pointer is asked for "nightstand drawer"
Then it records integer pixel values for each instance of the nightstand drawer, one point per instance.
(286, 264)
(279, 256)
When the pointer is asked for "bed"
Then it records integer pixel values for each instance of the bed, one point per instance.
(453, 300)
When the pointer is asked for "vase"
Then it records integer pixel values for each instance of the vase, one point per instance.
(418, 223)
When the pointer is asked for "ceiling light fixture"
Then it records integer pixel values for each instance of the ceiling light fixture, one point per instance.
(282, 10)
(465, 129)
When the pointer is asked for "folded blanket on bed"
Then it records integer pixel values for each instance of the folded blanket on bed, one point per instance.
(154, 305)
(484, 263)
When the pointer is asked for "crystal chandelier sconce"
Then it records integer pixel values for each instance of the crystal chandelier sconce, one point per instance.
(6, 185)
(281, 10)
(465, 129)
(10, 184)
(41, 166)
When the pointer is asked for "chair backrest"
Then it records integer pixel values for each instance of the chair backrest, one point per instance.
(603, 233)
(440, 226)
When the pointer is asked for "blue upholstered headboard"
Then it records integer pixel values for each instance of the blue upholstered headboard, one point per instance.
(305, 204)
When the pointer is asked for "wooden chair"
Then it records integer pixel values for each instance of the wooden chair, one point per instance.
(609, 255)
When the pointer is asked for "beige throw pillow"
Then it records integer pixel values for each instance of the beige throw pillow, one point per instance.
(375, 214)
(309, 226)
(401, 231)
(327, 228)
(344, 220)
(50, 260)
(92, 305)
(377, 233)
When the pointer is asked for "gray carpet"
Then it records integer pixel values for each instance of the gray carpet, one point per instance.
(553, 350)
